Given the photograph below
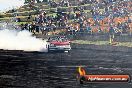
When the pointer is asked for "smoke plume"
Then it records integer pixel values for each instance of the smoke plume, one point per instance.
(20, 40)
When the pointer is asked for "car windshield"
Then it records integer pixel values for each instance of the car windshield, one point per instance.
(62, 39)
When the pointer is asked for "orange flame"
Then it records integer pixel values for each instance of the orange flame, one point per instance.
(81, 71)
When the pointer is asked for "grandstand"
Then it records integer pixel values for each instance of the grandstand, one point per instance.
(85, 15)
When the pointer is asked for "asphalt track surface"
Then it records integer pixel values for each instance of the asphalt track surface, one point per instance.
(20, 69)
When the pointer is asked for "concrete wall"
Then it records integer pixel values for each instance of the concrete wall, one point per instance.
(102, 37)
(102, 47)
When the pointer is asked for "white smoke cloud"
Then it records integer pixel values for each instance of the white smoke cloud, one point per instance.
(20, 40)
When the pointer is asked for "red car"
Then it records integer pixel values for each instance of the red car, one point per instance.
(60, 43)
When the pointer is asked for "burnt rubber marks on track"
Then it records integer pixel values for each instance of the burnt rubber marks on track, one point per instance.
(58, 70)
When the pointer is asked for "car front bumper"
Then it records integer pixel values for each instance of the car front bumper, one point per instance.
(63, 48)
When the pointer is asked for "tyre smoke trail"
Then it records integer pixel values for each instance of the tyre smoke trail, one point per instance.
(20, 40)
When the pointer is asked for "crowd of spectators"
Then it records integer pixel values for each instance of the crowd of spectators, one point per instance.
(106, 16)
(44, 23)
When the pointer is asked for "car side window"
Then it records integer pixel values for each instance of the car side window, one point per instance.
(62, 39)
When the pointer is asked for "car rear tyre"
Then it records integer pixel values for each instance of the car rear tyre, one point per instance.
(48, 49)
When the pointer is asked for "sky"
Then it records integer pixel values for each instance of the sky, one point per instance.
(9, 4)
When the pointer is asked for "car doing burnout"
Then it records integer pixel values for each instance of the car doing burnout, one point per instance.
(60, 43)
